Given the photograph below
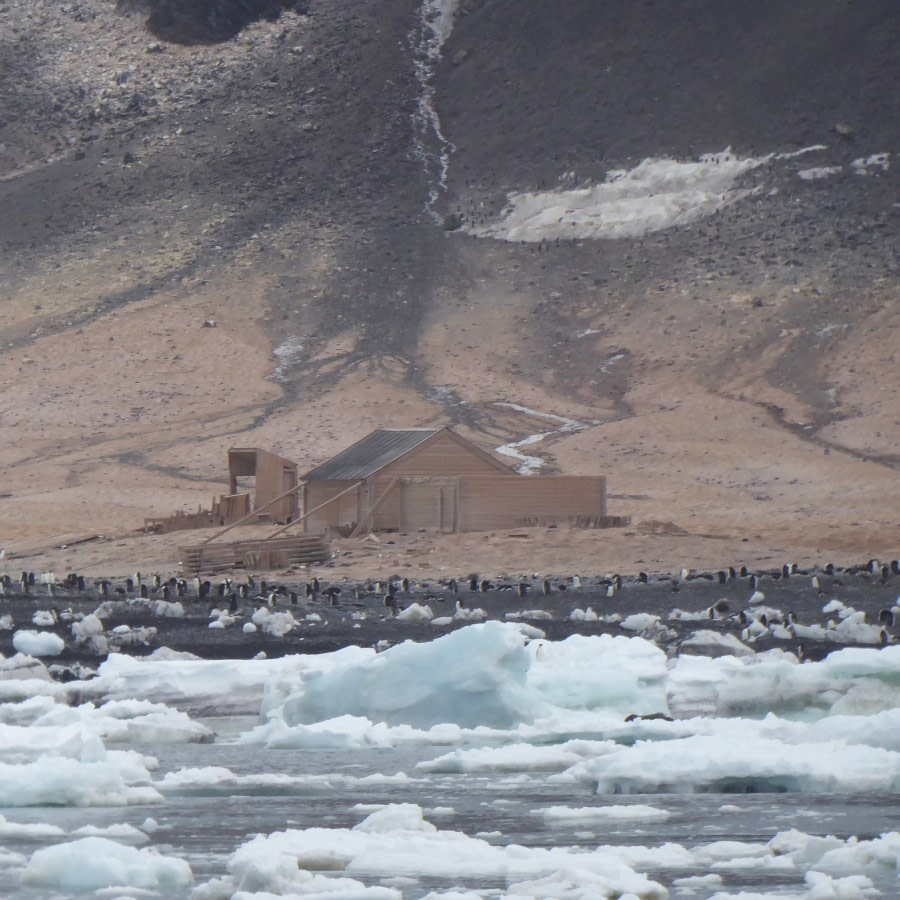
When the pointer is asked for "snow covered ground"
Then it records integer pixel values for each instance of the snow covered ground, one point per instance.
(479, 764)
(657, 193)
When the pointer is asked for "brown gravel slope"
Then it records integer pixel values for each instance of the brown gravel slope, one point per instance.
(739, 380)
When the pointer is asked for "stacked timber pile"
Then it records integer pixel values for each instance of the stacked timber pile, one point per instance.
(275, 553)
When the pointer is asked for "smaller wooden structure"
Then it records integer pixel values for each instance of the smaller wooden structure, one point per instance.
(273, 475)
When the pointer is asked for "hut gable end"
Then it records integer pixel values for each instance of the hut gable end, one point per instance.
(393, 452)
(370, 455)
(445, 453)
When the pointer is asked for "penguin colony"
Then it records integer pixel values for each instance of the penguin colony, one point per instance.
(804, 611)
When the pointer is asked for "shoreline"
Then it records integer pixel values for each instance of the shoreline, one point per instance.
(809, 613)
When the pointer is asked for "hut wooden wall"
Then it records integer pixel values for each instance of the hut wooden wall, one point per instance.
(442, 457)
(275, 475)
(505, 502)
(480, 503)
(344, 510)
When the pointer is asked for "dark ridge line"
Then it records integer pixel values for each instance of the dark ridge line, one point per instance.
(889, 460)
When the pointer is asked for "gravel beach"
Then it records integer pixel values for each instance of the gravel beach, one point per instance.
(809, 613)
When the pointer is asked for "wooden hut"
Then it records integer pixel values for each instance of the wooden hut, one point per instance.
(274, 477)
(433, 479)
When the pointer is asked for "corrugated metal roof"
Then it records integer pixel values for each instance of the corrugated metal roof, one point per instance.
(371, 454)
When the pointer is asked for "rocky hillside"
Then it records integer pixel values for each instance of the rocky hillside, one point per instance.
(664, 234)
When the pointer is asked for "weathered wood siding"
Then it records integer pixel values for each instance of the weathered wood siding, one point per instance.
(505, 502)
(343, 511)
(480, 503)
(427, 503)
(273, 477)
(442, 456)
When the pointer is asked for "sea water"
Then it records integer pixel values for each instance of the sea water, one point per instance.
(787, 785)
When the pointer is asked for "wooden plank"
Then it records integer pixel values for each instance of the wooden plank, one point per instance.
(261, 553)
(315, 509)
(373, 508)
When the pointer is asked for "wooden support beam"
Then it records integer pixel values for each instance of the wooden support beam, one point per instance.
(250, 515)
(314, 509)
(373, 507)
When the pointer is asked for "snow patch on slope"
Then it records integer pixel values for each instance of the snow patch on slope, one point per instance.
(529, 465)
(656, 194)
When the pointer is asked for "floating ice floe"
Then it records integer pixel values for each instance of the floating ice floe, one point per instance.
(214, 780)
(517, 757)
(470, 677)
(636, 812)
(229, 687)
(128, 721)
(753, 764)
(479, 676)
(398, 841)
(397, 846)
(95, 863)
(98, 777)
